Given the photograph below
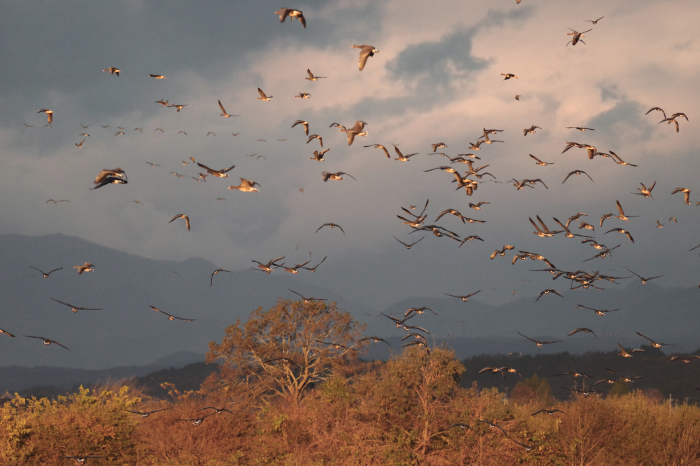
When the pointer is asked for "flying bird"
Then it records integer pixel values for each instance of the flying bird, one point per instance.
(110, 176)
(366, 51)
(539, 162)
(49, 114)
(263, 97)
(146, 413)
(86, 267)
(292, 13)
(312, 77)
(532, 129)
(113, 70)
(335, 176)
(187, 220)
(223, 173)
(408, 246)
(171, 317)
(223, 111)
(331, 225)
(305, 124)
(577, 172)
(46, 274)
(576, 37)
(216, 272)
(246, 186)
(465, 297)
(686, 193)
(584, 330)
(47, 341)
(508, 76)
(75, 308)
(540, 343)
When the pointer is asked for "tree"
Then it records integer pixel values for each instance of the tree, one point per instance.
(288, 348)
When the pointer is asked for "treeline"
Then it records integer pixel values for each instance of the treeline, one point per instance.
(291, 390)
(660, 377)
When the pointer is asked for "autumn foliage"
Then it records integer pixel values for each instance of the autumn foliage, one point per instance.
(322, 405)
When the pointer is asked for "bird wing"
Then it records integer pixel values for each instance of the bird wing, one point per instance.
(262, 94)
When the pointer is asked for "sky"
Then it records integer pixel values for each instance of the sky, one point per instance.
(436, 78)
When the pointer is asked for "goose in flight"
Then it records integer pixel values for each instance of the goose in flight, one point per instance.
(643, 280)
(305, 299)
(600, 312)
(178, 106)
(113, 70)
(686, 193)
(6, 333)
(401, 157)
(502, 370)
(313, 269)
(305, 124)
(548, 411)
(628, 354)
(303, 95)
(672, 119)
(223, 173)
(86, 267)
(47, 341)
(478, 205)
(622, 231)
(546, 292)
(544, 231)
(145, 413)
(508, 76)
(80, 145)
(540, 343)
(246, 186)
(216, 272)
(408, 246)
(580, 128)
(292, 13)
(55, 201)
(318, 156)
(110, 176)
(315, 136)
(584, 330)
(46, 274)
(539, 162)
(502, 252)
(268, 267)
(196, 421)
(312, 77)
(156, 76)
(75, 308)
(263, 97)
(331, 225)
(654, 343)
(532, 129)
(81, 459)
(357, 130)
(594, 21)
(187, 220)
(644, 191)
(224, 113)
(576, 172)
(335, 176)
(576, 37)
(658, 109)
(622, 215)
(438, 146)
(366, 51)
(49, 114)
(171, 317)
(465, 297)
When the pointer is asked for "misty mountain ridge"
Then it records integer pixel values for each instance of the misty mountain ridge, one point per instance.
(126, 332)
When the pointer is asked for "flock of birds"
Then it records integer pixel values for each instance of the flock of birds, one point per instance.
(468, 179)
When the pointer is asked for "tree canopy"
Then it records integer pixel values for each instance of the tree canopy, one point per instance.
(288, 348)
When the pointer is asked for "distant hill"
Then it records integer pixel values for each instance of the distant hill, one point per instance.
(126, 332)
